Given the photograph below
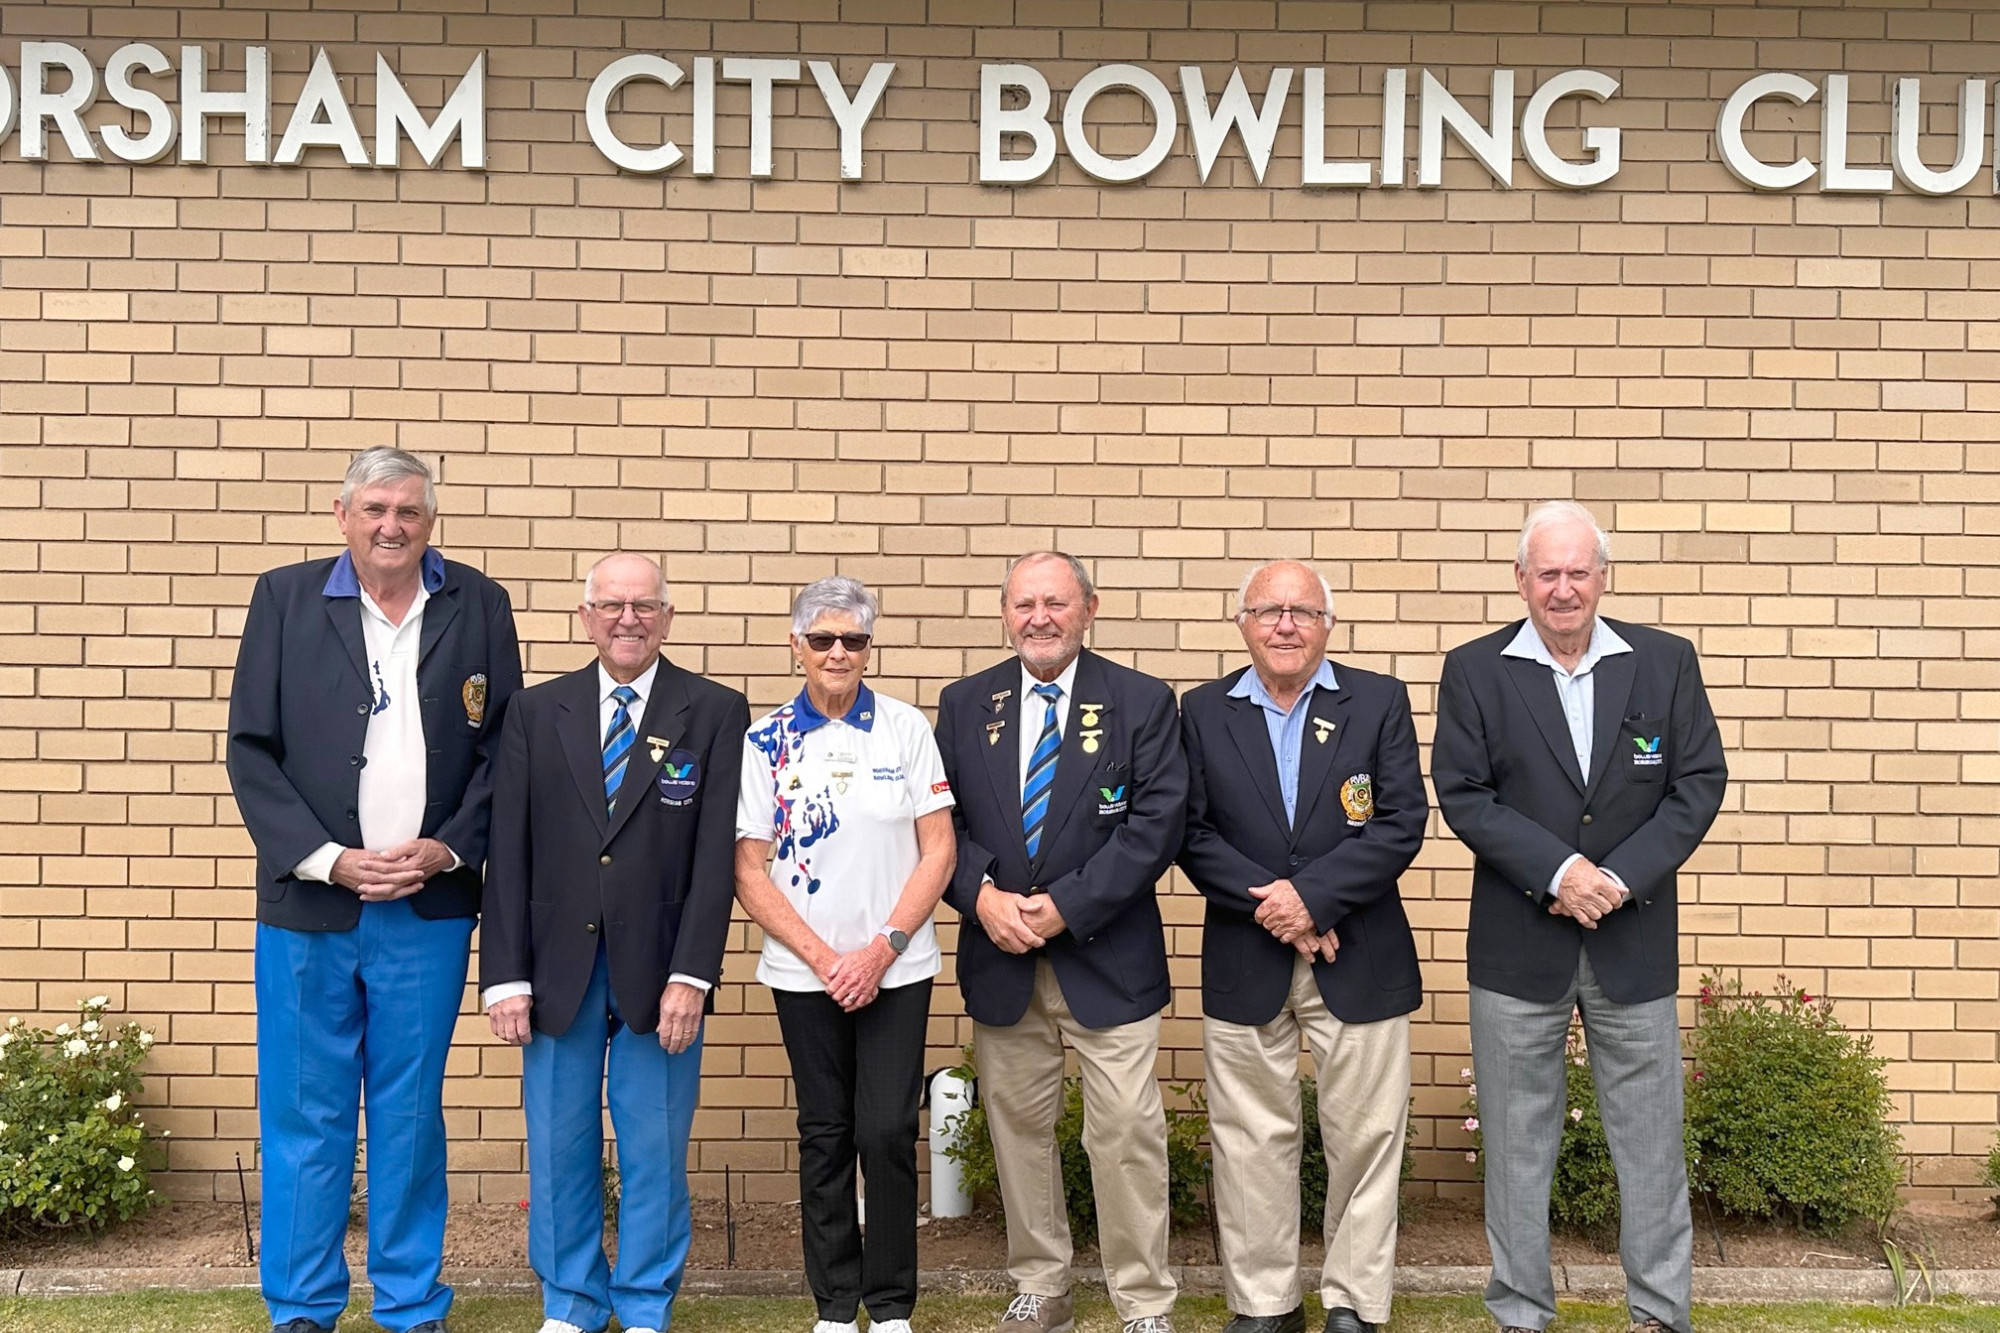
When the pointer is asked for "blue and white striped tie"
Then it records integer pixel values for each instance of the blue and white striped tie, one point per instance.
(618, 738)
(1041, 773)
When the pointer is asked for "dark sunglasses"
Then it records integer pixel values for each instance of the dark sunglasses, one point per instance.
(853, 643)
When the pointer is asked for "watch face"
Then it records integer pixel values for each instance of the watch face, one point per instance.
(898, 941)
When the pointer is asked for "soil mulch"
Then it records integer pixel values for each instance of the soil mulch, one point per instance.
(1442, 1232)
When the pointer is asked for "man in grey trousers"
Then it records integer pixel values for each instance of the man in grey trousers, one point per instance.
(1579, 760)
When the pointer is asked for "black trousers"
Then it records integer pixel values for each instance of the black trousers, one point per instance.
(858, 1078)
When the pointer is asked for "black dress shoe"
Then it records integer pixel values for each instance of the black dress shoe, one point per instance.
(1340, 1319)
(1292, 1321)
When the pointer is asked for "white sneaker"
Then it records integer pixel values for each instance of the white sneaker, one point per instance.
(561, 1326)
(890, 1326)
(828, 1326)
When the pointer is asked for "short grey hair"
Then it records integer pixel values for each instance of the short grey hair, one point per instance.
(1075, 567)
(1554, 513)
(590, 579)
(837, 595)
(1243, 588)
(386, 463)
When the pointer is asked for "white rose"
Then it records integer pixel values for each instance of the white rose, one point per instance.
(62, 1029)
(90, 1025)
(6, 1038)
(145, 1039)
(97, 1002)
(114, 1101)
(55, 1138)
(76, 1046)
(126, 1164)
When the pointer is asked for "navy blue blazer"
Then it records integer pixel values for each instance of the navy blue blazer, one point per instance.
(1507, 782)
(654, 881)
(1359, 821)
(298, 718)
(1114, 823)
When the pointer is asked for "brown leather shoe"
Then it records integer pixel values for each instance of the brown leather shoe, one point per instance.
(1029, 1313)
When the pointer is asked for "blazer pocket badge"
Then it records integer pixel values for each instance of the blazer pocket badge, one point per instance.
(680, 778)
(473, 695)
(1114, 801)
(1357, 798)
(1647, 752)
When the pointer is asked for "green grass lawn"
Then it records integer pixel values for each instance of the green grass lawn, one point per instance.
(241, 1312)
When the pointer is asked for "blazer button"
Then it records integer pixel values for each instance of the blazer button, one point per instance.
(354, 761)
(604, 860)
(591, 928)
(1587, 819)
(361, 710)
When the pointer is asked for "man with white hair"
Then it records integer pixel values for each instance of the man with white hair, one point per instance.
(1305, 802)
(368, 692)
(608, 895)
(1577, 757)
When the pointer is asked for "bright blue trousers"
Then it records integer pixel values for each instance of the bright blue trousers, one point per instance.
(338, 1011)
(565, 1083)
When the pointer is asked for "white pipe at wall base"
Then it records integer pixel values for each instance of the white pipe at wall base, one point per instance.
(951, 1098)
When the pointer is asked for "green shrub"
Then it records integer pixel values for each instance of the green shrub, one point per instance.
(73, 1150)
(1584, 1197)
(1989, 1175)
(1790, 1108)
(1187, 1157)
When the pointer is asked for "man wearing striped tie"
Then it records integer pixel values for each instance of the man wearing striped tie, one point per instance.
(608, 892)
(1071, 790)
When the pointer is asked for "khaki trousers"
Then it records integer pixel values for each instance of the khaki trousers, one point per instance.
(1124, 1132)
(1363, 1070)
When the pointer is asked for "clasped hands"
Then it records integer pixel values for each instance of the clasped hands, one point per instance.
(1586, 894)
(1018, 923)
(853, 980)
(380, 877)
(1281, 911)
(680, 1017)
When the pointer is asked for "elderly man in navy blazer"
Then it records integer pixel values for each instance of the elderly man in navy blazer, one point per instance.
(368, 690)
(1305, 802)
(607, 903)
(1578, 758)
(1071, 788)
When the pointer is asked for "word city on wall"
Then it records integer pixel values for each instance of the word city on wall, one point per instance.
(57, 84)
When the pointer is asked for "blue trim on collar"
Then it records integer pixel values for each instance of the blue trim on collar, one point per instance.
(341, 581)
(1251, 686)
(861, 716)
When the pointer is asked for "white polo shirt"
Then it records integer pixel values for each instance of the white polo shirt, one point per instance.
(840, 797)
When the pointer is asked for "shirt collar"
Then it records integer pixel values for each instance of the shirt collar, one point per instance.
(642, 687)
(1250, 686)
(343, 582)
(1065, 682)
(861, 715)
(1604, 642)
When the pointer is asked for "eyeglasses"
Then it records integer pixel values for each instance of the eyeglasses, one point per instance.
(644, 609)
(853, 643)
(1305, 617)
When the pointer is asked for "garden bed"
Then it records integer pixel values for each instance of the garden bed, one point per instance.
(198, 1235)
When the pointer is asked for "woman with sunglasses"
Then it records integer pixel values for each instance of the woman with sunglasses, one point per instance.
(843, 846)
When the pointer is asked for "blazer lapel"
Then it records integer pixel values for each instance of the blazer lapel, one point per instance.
(666, 718)
(1003, 743)
(1537, 689)
(1319, 745)
(1073, 765)
(582, 746)
(440, 609)
(345, 613)
(1613, 688)
(1253, 742)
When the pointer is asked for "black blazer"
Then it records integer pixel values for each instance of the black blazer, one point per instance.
(1114, 824)
(1507, 781)
(1344, 867)
(298, 720)
(656, 881)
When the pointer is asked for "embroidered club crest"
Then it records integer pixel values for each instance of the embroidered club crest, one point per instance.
(1357, 798)
(473, 694)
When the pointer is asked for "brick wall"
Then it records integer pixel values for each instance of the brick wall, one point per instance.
(1782, 405)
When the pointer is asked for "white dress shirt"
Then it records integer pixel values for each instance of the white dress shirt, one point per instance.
(607, 707)
(395, 777)
(1576, 689)
(1034, 712)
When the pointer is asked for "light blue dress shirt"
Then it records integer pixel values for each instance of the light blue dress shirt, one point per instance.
(1287, 726)
(1577, 690)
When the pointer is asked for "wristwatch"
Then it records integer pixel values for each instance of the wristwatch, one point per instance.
(898, 941)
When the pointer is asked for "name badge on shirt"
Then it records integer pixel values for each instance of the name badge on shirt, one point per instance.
(680, 778)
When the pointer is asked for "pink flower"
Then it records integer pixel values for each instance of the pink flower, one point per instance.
(1804, 998)
(1576, 1115)
(1471, 1123)
(524, 1205)
(1472, 1157)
